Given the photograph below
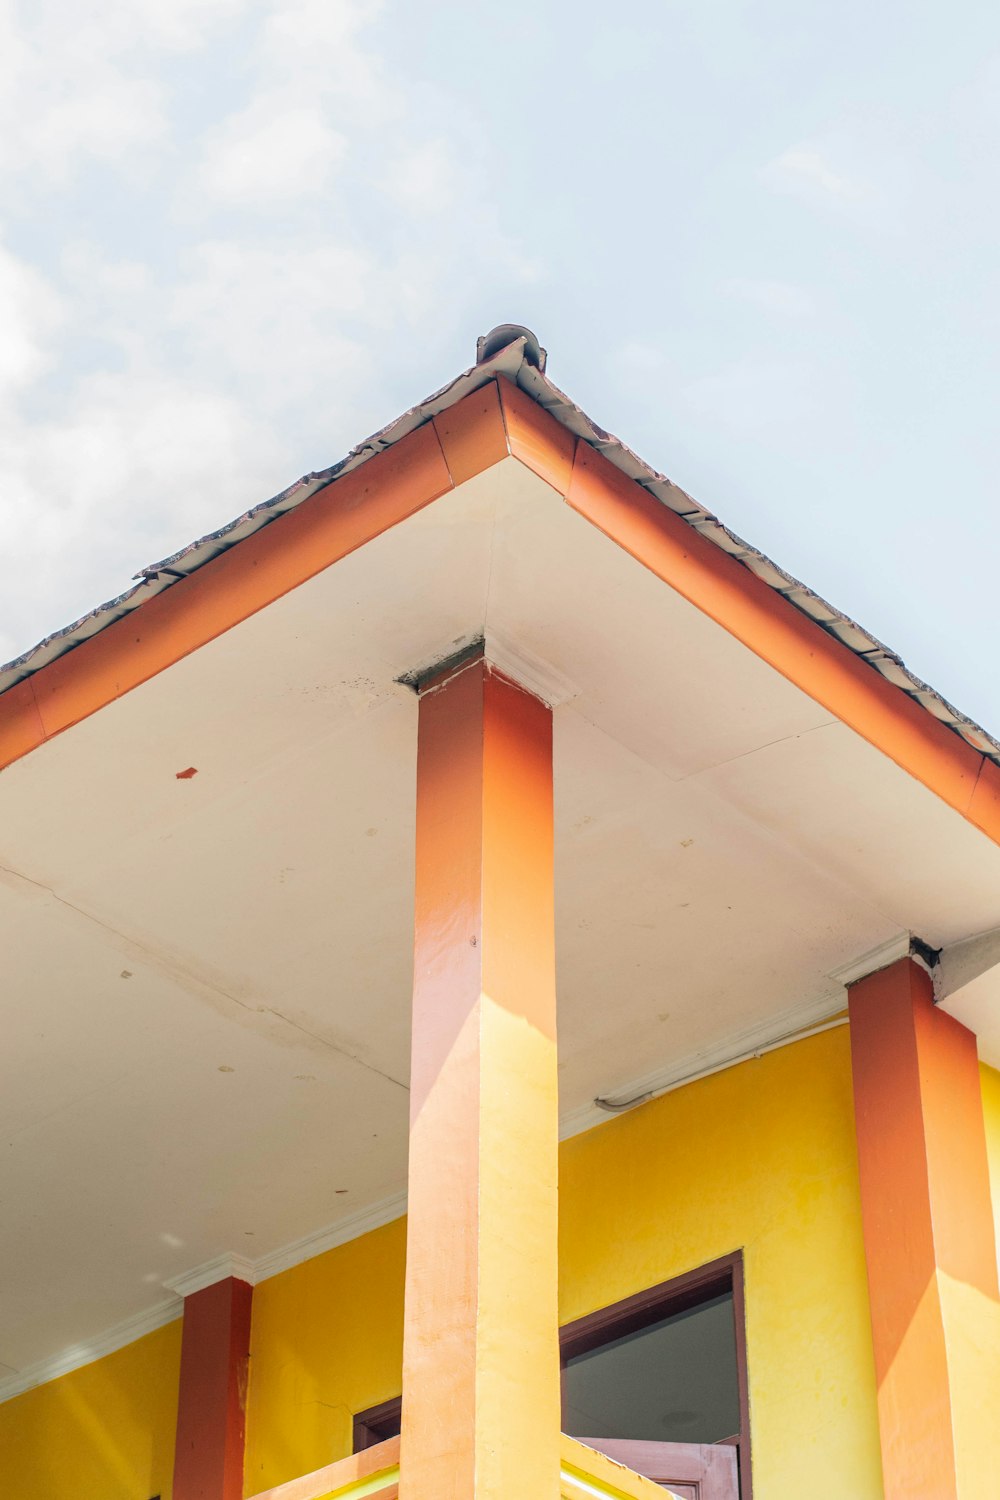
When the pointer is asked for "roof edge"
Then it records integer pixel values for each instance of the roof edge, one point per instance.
(517, 364)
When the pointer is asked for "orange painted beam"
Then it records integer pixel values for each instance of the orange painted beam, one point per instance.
(320, 531)
(460, 443)
(927, 1217)
(344, 1474)
(764, 620)
(481, 1401)
(215, 1351)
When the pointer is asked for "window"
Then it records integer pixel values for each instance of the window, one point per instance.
(377, 1423)
(665, 1369)
(657, 1381)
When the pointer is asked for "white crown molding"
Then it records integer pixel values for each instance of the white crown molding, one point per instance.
(211, 1271)
(875, 959)
(88, 1350)
(529, 670)
(352, 1227)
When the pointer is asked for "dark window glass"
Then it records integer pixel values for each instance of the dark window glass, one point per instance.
(674, 1381)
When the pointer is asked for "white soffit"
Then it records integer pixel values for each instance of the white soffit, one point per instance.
(207, 998)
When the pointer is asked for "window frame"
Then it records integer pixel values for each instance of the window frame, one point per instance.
(377, 1423)
(717, 1277)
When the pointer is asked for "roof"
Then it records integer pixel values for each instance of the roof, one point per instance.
(206, 901)
(520, 362)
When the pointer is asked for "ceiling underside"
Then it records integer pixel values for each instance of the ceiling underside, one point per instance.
(207, 979)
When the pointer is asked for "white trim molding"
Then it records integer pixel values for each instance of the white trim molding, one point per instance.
(875, 959)
(538, 676)
(89, 1350)
(210, 1272)
(351, 1227)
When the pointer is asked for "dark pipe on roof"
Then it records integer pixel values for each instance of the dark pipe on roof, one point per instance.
(505, 334)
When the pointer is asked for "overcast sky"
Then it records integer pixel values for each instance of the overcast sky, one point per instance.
(760, 241)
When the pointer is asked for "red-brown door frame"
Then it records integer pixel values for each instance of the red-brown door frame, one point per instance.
(673, 1296)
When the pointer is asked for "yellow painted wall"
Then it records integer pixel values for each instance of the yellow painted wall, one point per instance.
(972, 1331)
(990, 1080)
(978, 1319)
(761, 1156)
(103, 1432)
(326, 1342)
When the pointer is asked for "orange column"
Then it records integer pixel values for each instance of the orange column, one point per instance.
(215, 1350)
(929, 1237)
(480, 1349)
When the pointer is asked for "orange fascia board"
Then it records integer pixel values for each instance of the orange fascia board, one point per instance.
(334, 522)
(460, 442)
(764, 620)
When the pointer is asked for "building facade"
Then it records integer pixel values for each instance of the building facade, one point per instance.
(504, 990)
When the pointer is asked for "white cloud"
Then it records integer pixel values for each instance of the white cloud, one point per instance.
(269, 153)
(316, 29)
(175, 25)
(56, 110)
(322, 36)
(132, 471)
(81, 83)
(163, 375)
(806, 169)
(30, 314)
(870, 172)
(273, 322)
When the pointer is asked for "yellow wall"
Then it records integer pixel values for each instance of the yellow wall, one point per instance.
(761, 1156)
(972, 1330)
(103, 1432)
(990, 1081)
(326, 1341)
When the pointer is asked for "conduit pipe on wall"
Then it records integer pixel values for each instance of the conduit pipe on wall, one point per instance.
(951, 968)
(619, 1106)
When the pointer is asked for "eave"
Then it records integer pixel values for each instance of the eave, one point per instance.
(774, 614)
